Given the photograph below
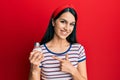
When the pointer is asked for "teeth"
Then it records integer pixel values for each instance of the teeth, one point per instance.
(64, 33)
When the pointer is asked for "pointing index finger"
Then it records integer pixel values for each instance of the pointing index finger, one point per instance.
(59, 59)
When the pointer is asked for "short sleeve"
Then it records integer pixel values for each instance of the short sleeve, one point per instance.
(81, 54)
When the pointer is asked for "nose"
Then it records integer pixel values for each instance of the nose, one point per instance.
(67, 27)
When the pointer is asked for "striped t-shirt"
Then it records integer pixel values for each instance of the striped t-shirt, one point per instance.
(50, 68)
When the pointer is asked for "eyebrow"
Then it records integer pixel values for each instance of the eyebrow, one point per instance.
(66, 20)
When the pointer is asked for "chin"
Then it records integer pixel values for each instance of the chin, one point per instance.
(63, 37)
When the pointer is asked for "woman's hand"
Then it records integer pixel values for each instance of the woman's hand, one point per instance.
(35, 59)
(65, 64)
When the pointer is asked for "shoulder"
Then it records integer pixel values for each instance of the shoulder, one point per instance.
(77, 45)
(42, 45)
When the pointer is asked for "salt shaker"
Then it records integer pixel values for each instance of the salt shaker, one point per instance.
(37, 47)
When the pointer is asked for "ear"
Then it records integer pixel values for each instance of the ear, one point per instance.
(53, 22)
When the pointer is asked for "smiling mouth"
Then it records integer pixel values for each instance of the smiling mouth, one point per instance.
(64, 33)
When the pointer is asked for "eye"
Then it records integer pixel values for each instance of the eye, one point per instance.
(62, 21)
(72, 24)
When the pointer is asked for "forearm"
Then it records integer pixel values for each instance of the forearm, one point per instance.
(35, 60)
(76, 75)
(34, 74)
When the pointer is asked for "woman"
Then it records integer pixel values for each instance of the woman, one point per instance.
(61, 58)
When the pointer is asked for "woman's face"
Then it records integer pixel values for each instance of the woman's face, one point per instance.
(64, 25)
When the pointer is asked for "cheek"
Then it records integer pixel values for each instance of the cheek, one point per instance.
(57, 28)
(59, 25)
(71, 29)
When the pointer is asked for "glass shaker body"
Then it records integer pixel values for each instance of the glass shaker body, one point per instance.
(37, 47)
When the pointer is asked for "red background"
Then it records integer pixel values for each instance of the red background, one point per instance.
(23, 22)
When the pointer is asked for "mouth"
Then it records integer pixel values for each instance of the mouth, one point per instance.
(64, 33)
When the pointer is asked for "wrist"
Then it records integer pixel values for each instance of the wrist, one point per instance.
(35, 72)
(35, 69)
(74, 71)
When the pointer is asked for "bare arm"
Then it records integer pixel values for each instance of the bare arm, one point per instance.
(80, 72)
(35, 59)
(34, 74)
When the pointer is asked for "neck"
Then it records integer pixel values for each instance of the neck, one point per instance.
(59, 42)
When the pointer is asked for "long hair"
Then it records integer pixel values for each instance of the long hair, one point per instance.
(50, 30)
